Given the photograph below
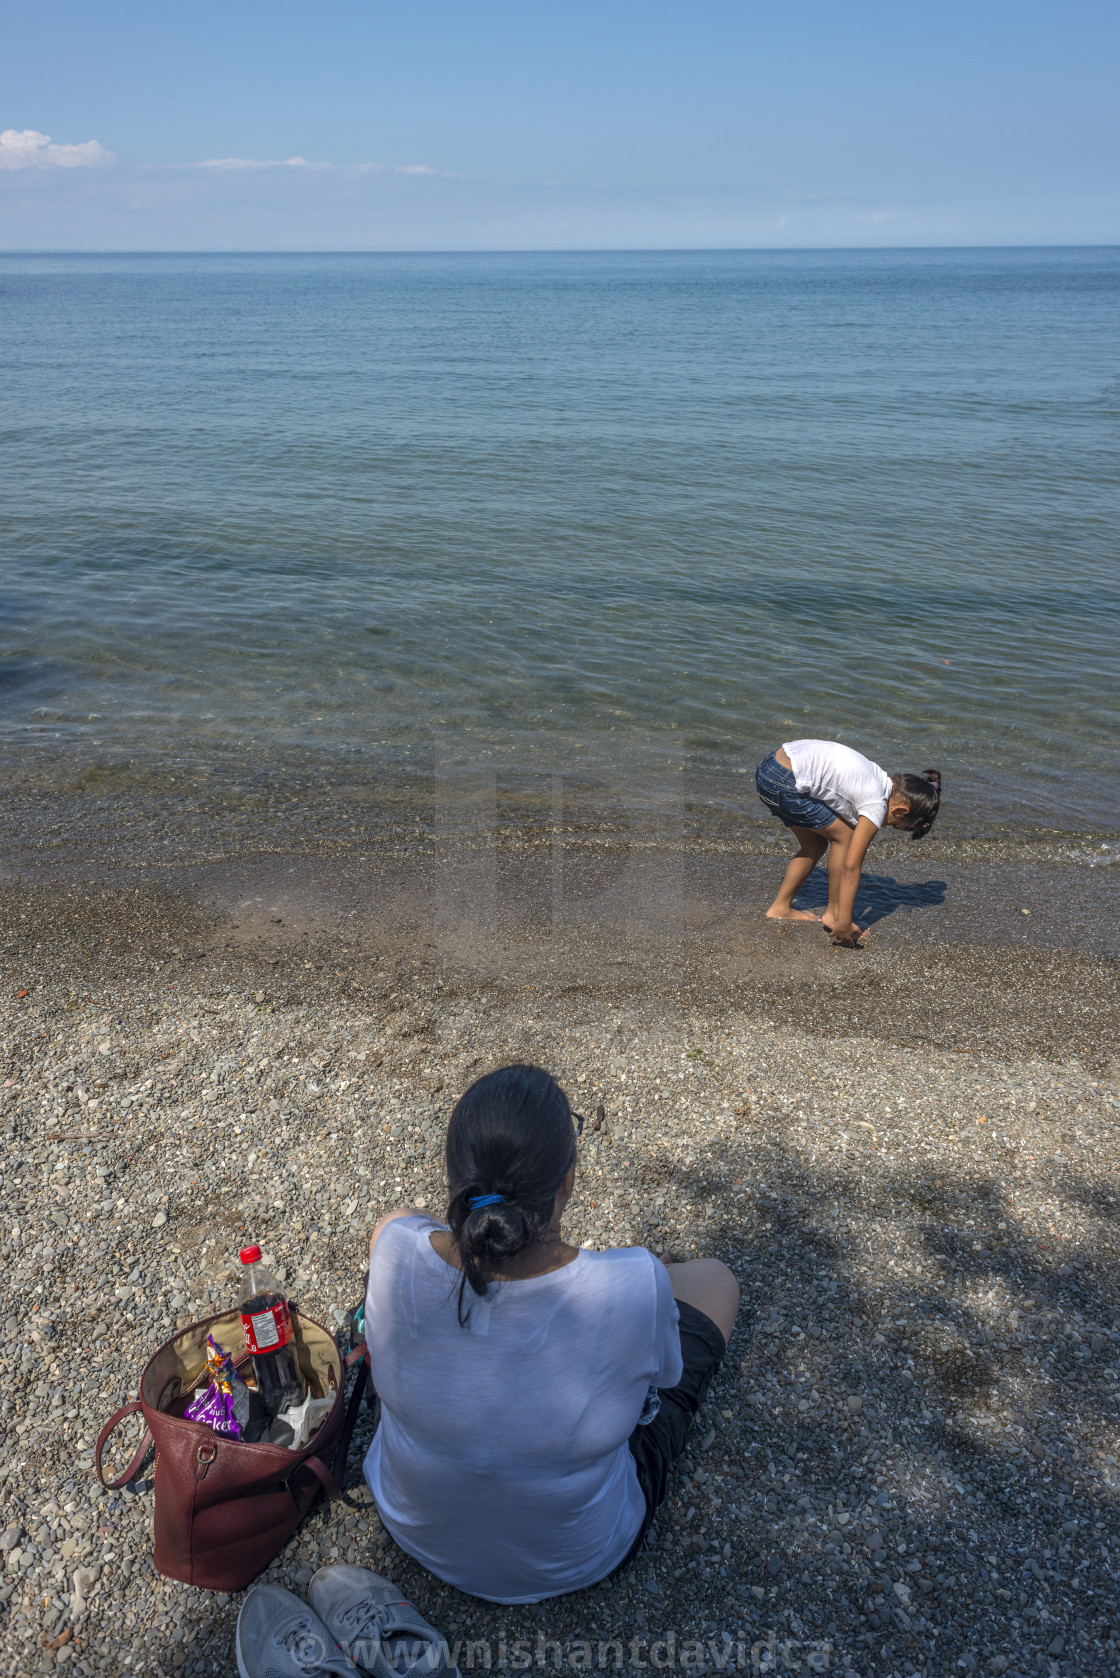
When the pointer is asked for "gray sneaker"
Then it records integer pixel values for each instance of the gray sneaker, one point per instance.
(376, 1626)
(279, 1637)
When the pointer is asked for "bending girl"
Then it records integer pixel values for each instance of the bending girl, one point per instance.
(834, 799)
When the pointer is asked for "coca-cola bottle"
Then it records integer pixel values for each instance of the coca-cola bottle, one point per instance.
(269, 1335)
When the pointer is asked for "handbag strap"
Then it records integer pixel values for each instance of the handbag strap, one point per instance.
(331, 1478)
(324, 1476)
(359, 1356)
(102, 1438)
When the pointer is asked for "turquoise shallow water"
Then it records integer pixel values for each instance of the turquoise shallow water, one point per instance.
(560, 511)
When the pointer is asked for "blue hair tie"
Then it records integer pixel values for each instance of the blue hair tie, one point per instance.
(486, 1200)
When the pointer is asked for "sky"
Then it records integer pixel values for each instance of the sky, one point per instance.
(558, 124)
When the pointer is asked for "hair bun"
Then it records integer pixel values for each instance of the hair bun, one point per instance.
(496, 1232)
(933, 776)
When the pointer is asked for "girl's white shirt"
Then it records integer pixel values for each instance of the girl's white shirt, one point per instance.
(845, 780)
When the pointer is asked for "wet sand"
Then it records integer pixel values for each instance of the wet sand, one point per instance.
(978, 942)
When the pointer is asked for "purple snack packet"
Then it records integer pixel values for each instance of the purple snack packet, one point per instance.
(215, 1407)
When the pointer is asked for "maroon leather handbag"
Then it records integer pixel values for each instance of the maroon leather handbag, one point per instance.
(224, 1508)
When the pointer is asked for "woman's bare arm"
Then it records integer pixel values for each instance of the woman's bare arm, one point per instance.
(401, 1212)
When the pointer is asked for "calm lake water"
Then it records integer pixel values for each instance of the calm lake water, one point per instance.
(553, 512)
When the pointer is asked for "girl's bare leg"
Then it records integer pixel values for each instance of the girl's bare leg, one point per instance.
(813, 846)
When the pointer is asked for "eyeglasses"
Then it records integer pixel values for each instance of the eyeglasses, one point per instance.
(578, 1117)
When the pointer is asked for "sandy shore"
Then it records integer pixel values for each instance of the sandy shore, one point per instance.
(908, 1156)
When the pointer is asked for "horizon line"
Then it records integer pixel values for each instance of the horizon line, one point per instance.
(537, 250)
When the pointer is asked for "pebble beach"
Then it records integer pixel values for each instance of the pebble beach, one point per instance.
(910, 1462)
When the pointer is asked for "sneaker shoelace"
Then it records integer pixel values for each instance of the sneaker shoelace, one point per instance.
(401, 1648)
(305, 1645)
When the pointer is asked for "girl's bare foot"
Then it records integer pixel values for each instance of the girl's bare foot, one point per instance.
(828, 921)
(773, 914)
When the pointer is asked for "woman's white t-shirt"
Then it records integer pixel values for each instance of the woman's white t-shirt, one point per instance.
(501, 1462)
(846, 781)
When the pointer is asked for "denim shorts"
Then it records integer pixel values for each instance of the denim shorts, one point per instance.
(777, 788)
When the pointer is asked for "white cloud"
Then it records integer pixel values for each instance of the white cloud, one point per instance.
(233, 163)
(260, 163)
(426, 170)
(26, 148)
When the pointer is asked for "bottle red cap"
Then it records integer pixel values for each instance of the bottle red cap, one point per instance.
(250, 1255)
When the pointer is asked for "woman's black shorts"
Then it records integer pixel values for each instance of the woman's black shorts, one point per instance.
(656, 1445)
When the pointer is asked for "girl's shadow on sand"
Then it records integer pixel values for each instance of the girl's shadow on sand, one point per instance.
(879, 895)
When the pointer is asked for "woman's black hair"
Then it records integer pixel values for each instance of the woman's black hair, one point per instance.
(511, 1134)
(924, 794)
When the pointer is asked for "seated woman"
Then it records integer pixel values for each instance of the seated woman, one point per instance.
(517, 1455)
